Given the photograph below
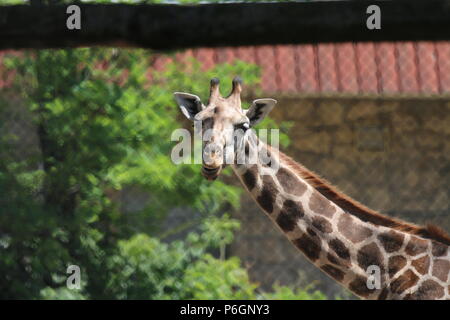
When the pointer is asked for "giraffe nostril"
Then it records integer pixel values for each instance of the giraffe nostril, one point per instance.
(213, 151)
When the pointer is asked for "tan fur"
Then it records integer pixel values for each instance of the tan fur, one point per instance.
(359, 210)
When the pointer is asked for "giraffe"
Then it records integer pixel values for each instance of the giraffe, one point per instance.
(349, 242)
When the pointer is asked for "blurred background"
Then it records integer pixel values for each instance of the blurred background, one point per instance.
(86, 176)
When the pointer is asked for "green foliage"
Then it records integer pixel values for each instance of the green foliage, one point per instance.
(148, 268)
(61, 294)
(218, 232)
(12, 2)
(102, 128)
(210, 278)
(287, 293)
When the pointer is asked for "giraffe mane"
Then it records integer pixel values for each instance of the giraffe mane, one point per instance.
(359, 210)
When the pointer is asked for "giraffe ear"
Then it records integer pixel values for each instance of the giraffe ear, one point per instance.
(189, 104)
(259, 110)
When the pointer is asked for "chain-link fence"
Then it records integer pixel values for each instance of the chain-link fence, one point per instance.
(372, 118)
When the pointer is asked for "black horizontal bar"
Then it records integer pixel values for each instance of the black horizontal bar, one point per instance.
(167, 27)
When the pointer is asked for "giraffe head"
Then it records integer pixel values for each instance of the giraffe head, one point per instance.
(219, 122)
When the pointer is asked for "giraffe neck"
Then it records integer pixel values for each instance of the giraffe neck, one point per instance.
(372, 261)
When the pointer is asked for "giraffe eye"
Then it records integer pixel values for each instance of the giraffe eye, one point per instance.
(243, 125)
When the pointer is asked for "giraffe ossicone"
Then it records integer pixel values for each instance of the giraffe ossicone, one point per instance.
(348, 241)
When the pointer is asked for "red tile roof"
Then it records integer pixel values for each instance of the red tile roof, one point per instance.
(377, 68)
(401, 67)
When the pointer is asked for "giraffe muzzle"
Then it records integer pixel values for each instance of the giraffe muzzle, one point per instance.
(212, 156)
(211, 173)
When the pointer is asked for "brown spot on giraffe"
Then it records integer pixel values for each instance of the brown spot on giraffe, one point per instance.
(332, 258)
(339, 248)
(391, 240)
(352, 230)
(370, 255)
(395, 264)
(428, 290)
(421, 265)
(404, 281)
(416, 246)
(360, 211)
(290, 182)
(359, 286)
(311, 232)
(441, 269)
(249, 177)
(290, 213)
(268, 194)
(321, 205)
(322, 224)
(438, 249)
(384, 294)
(310, 246)
(333, 272)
